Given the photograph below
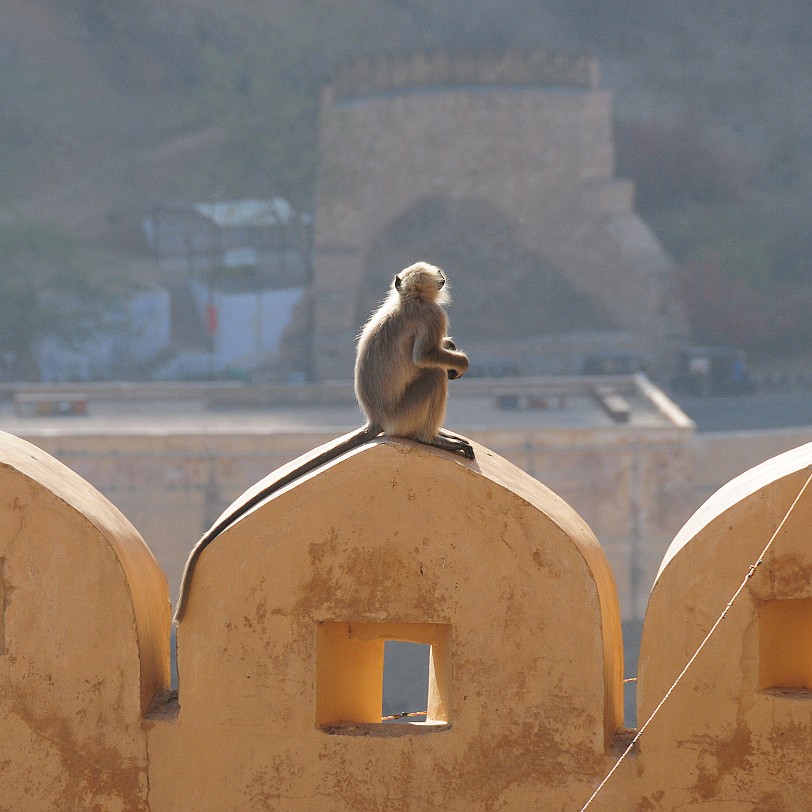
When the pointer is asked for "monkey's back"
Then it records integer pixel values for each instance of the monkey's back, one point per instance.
(385, 369)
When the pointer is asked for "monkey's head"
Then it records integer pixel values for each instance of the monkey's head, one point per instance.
(422, 281)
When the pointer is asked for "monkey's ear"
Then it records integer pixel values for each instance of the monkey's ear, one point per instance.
(397, 283)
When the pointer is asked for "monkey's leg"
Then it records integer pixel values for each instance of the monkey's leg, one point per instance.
(419, 412)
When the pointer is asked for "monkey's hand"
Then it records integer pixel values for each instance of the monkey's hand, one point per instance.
(448, 343)
(458, 371)
(453, 374)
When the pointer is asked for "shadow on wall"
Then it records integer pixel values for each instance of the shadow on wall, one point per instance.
(503, 291)
(483, 579)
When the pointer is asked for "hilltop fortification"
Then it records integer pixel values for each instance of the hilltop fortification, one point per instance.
(528, 135)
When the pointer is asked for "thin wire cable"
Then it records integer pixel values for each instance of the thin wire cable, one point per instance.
(690, 662)
(403, 714)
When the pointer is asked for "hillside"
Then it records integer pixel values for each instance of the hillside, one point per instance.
(93, 92)
(110, 107)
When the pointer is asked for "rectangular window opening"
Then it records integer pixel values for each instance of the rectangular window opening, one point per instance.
(383, 678)
(405, 682)
(785, 646)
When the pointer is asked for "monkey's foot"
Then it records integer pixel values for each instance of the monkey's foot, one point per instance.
(452, 443)
(467, 451)
(460, 444)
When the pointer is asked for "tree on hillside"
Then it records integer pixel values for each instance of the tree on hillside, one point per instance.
(44, 287)
(265, 98)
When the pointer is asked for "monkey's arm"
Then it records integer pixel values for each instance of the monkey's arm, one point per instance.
(431, 350)
(261, 491)
(448, 344)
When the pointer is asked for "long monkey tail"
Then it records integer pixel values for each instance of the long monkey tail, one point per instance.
(261, 491)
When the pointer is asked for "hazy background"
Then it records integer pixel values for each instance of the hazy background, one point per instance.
(111, 107)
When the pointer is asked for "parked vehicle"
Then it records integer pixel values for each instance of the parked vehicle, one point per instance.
(707, 371)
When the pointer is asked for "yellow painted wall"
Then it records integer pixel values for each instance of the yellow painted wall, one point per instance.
(738, 728)
(398, 534)
(279, 652)
(633, 485)
(84, 649)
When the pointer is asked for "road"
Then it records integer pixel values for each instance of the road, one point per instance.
(760, 410)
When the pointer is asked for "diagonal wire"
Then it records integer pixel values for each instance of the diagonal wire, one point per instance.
(690, 662)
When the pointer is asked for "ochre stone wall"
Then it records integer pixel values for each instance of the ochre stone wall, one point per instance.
(85, 649)
(397, 534)
(635, 487)
(279, 652)
(738, 727)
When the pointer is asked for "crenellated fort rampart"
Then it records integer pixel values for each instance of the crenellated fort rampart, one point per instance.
(281, 651)
(535, 68)
(526, 133)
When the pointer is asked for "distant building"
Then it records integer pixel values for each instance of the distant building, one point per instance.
(266, 236)
(123, 342)
(246, 325)
(241, 268)
(408, 140)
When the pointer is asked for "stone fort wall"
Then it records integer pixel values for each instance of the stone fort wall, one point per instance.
(528, 133)
(280, 652)
(537, 68)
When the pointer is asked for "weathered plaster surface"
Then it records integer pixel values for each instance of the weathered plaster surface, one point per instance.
(398, 541)
(85, 623)
(724, 738)
(397, 533)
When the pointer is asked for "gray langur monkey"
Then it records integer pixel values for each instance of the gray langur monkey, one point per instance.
(403, 363)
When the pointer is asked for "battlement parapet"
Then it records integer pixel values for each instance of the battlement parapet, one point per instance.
(282, 661)
(542, 68)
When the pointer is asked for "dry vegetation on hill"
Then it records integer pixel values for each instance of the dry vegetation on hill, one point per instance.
(110, 106)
